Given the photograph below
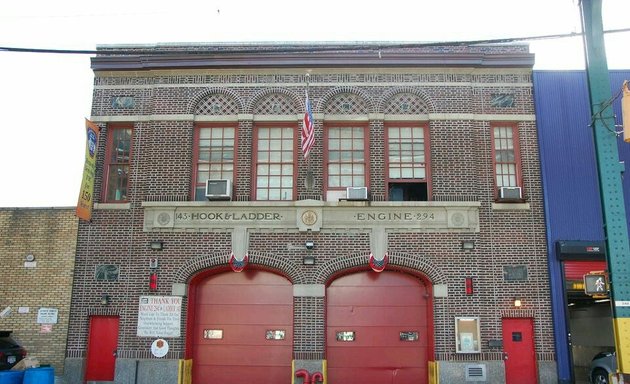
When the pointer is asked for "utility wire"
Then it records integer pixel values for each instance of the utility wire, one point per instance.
(607, 104)
(294, 47)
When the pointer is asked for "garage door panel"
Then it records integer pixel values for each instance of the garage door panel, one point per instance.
(377, 336)
(377, 307)
(244, 314)
(245, 295)
(247, 277)
(236, 334)
(234, 375)
(377, 357)
(378, 376)
(390, 278)
(242, 355)
(376, 315)
(375, 294)
(237, 310)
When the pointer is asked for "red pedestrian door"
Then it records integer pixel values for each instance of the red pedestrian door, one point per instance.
(101, 349)
(378, 329)
(242, 328)
(518, 344)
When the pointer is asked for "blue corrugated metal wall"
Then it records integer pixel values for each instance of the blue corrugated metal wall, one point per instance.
(569, 171)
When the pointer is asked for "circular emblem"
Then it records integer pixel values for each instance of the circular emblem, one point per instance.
(159, 348)
(458, 219)
(309, 217)
(163, 218)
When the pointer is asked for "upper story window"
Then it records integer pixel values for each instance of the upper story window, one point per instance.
(214, 156)
(406, 162)
(275, 162)
(347, 157)
(117, 163)
(507, 165)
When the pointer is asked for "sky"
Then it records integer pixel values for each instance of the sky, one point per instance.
(44, 98)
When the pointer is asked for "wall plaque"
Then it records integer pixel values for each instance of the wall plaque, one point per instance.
(123, 102)
(515, 273)
(502, 100)
(106, 272)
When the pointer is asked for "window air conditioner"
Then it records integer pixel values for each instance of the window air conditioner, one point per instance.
(510, 193)
(356, 193)
(219, 189)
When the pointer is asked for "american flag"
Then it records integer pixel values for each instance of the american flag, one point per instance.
(308, 133)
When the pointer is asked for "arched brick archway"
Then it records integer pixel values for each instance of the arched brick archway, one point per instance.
(219, 262)
(240, 325)
(379, 326)
(414, 265)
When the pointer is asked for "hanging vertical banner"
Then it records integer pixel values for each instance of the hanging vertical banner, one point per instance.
(84, 206)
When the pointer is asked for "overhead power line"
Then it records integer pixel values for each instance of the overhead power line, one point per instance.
(298, 46)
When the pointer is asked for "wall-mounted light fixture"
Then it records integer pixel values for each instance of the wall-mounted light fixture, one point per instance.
(156, 245)
(517, 302)
(106, 300)
(29, 258)
(468, 245)
(308, 260)
(309, 244)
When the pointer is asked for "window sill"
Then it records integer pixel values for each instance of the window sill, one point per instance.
(112, 206)
(510, 206)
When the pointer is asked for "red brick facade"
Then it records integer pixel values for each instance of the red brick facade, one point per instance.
(450, 88)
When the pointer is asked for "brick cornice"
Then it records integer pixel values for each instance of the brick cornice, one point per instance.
(303, 55)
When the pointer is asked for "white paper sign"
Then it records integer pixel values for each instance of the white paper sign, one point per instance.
(159, 316)
(47, 316)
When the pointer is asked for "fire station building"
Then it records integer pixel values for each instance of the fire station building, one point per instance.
(408, 247)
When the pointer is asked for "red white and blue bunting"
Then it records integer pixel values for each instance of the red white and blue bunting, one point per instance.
(238, 265)
(379, 265)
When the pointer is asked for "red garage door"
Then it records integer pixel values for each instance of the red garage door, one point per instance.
(242, 328)
(377, 329)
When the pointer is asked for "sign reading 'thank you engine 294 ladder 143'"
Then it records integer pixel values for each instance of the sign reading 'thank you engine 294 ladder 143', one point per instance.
(159, 316)
(596, 284)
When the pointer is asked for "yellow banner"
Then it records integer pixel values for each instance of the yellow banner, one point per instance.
(84, 206)
(625, 111)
